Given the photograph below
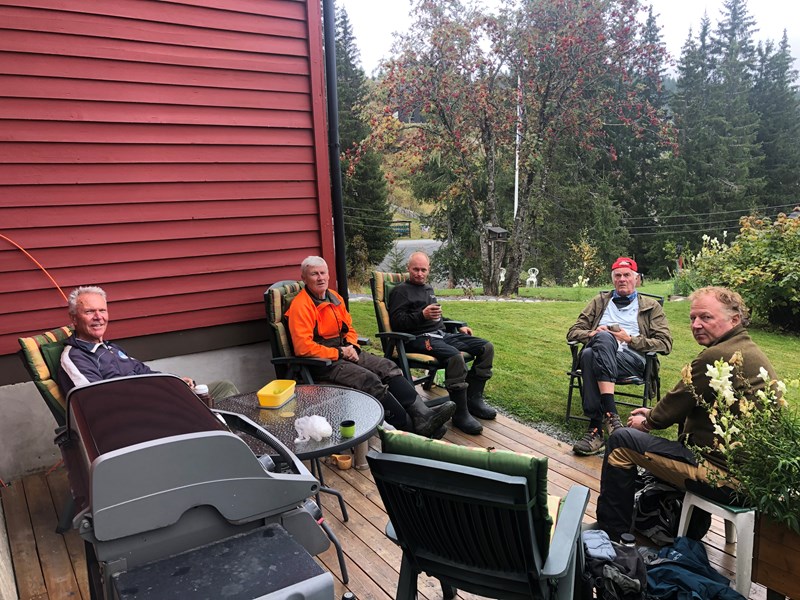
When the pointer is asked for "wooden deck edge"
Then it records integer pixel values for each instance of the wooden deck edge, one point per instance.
(8, 587)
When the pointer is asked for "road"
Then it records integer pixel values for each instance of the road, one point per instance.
(409, 247)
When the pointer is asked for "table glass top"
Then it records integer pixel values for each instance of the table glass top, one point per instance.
(334, 403)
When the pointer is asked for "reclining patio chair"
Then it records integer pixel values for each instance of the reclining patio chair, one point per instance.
(478, 520)
(41, 355)
(277, 299)
(394, 342)
(650, 381)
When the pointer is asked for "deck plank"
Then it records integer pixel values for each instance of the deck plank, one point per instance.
(59, 489)
(55, 560)
(22, 542)
(43, 561)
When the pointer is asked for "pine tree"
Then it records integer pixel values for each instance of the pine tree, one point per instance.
(774, 98)
(638, 173)
(737, 124)
(715, 180)
(367, 219)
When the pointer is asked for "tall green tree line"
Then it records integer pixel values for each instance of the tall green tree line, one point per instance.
(367, 218)
(607, 158)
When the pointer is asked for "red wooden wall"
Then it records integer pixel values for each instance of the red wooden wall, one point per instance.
(174, 153)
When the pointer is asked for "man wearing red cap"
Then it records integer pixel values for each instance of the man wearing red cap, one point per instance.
(617, 329)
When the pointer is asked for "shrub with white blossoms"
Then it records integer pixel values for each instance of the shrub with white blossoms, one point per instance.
(759, 438)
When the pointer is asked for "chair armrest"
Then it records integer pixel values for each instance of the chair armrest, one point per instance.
(396, 335)
(363, 341)
(451, 326)
(302, 360)
(567, 532)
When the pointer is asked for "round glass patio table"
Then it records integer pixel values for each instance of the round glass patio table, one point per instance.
(334, 403)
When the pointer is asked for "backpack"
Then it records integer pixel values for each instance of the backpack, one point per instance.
(657, 509)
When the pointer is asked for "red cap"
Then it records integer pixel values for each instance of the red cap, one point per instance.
(624, 261)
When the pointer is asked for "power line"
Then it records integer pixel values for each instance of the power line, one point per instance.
(677, 226)
(746, 211)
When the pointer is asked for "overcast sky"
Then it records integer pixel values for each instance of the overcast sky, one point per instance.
(374, 22)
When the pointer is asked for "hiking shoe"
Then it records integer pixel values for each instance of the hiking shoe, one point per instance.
(589, 444)
(612, 422)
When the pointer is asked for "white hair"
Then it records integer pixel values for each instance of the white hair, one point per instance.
(311, 261)
(72, 301)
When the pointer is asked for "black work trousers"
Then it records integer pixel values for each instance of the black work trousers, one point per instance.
(601, 360)
(447, 350)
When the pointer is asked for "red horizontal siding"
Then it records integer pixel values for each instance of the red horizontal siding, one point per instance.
(149, 153)
(42, 195)
(173, 152)
(57, 132)
(160, 250)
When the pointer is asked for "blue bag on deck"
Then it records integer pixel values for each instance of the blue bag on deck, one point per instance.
(682, 572)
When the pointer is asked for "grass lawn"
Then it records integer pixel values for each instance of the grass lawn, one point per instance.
(531, 354)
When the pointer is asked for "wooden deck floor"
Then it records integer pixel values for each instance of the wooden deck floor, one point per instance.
(51, 566)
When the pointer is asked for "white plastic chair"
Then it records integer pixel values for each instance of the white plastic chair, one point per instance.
(532, 281)
(739, 529)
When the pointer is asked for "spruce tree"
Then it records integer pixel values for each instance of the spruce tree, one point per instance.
(774, 98)
(737, 124)
(367, 219)
(715, 180)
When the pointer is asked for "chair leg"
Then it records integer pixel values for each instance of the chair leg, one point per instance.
(65, 522)
(407, 584)
(316, 471)
(744, 551)
(339, 554)
(448, 591)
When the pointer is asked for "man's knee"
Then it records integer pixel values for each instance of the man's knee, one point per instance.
(482, 365)
(455, 370)
(623, 438)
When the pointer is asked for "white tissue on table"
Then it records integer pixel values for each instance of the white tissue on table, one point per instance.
(312, 428)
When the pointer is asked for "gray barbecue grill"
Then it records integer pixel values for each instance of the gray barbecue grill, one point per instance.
(166, 493)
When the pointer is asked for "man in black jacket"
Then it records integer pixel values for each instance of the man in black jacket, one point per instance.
(413, 309)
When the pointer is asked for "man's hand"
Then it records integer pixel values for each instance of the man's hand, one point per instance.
(466, 330)
(188, 381)
(432, 312)
(349, 353)
(621, 335)
(638, 419)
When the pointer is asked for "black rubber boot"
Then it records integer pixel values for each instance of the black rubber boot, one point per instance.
(462, 419)
(428, 421)
(476, 403)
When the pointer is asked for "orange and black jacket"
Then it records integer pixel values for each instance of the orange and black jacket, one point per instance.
(319, 327)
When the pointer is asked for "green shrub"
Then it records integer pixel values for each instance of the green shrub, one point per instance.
(760, 264)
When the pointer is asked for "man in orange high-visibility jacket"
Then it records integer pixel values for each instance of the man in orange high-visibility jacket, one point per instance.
(321, 327)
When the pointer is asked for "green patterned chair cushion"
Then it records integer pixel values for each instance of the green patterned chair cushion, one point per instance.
(278, 300)
(41, 355)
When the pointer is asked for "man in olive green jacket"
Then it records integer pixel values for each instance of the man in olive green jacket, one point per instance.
(718, 318)
(617, 329)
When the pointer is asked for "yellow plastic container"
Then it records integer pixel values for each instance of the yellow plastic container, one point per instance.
(276, 393)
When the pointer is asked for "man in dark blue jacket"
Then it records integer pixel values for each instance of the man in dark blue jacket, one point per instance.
(87, 357)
